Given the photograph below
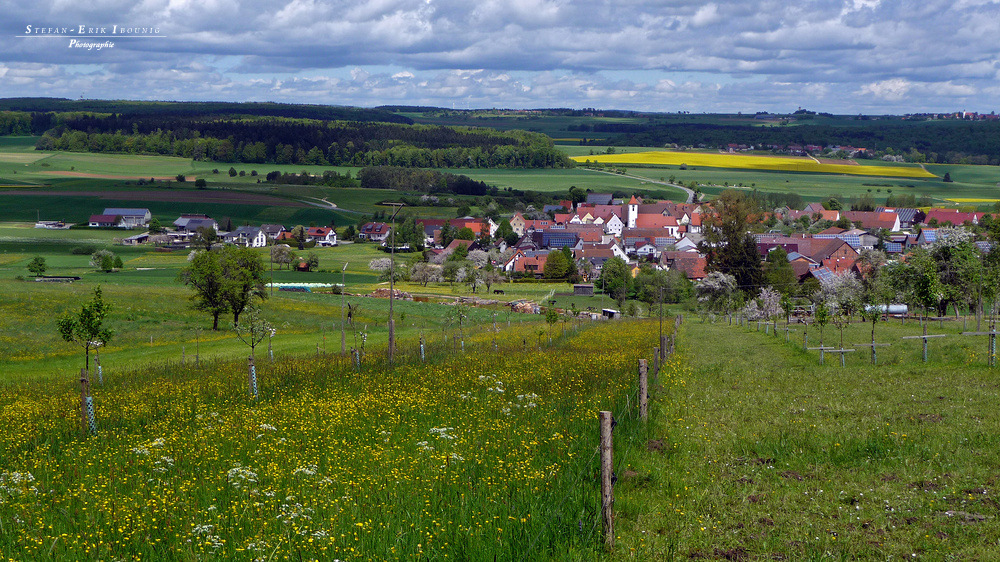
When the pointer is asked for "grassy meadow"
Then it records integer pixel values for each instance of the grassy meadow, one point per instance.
(758, 452)
(476, 455)
(154, 322)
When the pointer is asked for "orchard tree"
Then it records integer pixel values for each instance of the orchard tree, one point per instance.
(204, 237)
(716, 291)
(253, 328)
(778, 272)
(312, 261)
(299, 234)
(728, 245)
(37, 266)
(86, 328)
(557, 265)
(615, 280)
(225, 281)
(243, 270)
(103, 260)
(281, 254)
(204, 275)
(505, 231)
(465, 233)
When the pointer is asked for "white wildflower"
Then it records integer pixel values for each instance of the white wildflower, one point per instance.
(239, 476)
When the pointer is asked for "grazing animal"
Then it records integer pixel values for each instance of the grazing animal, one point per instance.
(498, 291)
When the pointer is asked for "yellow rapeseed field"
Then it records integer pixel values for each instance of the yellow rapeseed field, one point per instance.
(748, 162)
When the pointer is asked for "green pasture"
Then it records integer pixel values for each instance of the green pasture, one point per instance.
(29, 205)
(153, 322)
(759, 452)
(17, 144)
(481, 452)
(150, 302)
(47, 165)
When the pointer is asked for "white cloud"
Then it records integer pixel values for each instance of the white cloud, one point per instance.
(893, 89)
(706, 15)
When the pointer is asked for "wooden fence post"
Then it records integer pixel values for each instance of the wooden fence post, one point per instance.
(643, 390)
(607, 492)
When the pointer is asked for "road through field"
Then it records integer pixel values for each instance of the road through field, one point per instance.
(690, 192)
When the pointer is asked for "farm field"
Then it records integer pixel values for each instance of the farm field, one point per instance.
(739, 161)
(973, 184)
(761, 453)
(242, 200)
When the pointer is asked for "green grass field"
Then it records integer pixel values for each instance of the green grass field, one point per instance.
(476, 455)
(758, 452)
(150, 302)
(20, 166)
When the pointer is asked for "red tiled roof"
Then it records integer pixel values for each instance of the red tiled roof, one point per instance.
(654, 221)
(693, 267)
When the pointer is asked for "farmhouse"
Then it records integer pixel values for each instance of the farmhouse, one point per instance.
(191, 223)
(105, 221)
(249, 236)
(323, 235)
(374, 231)
(272, 231)
(130, 218)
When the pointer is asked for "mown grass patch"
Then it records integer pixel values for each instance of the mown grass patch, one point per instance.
(764, 454)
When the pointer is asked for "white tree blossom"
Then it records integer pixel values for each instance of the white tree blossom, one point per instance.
(380, 264)
(950, 237)
(770, 302)
(842, 292)
(715, 287)
(478, 258)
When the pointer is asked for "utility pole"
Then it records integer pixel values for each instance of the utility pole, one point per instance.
(392, 283)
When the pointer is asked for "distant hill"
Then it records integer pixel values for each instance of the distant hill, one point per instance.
(190, 109)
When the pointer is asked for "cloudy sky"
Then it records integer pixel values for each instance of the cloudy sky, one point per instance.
(851, 56)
